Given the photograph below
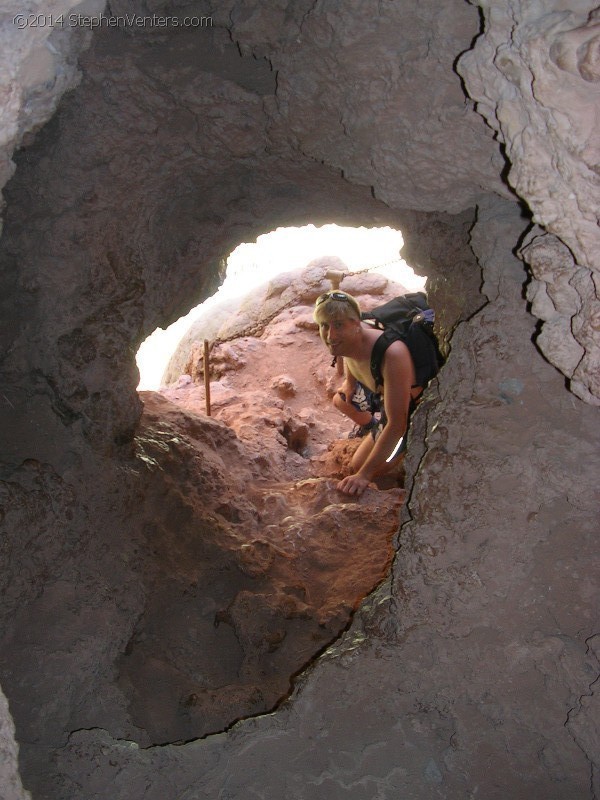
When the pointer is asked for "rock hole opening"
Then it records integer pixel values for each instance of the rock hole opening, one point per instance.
(255, 562)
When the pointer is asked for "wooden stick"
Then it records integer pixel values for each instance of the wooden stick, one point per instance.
(336, 277)
(207, 377)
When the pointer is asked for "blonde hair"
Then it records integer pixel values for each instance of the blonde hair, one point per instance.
(336, 305)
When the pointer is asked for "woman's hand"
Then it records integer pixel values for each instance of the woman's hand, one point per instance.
(353, 485)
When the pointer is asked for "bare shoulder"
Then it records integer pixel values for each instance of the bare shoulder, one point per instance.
(397, 352)
(398, 363)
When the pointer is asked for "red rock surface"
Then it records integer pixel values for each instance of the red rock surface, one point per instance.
(274, 388)
(238, 606)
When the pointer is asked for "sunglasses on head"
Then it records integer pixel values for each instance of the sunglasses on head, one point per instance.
(333, 296)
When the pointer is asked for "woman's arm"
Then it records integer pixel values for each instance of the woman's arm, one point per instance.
(398, 378)
(347, 387)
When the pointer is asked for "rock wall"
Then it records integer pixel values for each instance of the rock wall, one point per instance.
(38, 63)
(176, 140)
(535, 76)
(535, 82)
(166, 595)
(416, 140)
(10, 780)
(564, 295)
(502, 611)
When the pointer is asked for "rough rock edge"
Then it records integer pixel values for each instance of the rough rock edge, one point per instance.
(563, 294)
(38, 64)
(10, 780)
(533, 76)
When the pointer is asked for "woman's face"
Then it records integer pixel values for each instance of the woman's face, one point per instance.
(339, 334)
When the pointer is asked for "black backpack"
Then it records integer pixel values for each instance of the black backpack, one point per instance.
(409, 319)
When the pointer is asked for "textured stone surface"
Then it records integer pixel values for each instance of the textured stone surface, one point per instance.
(170, 622)
(565, 296)
(418, 142)
(550, 528)
(237, 558)
(38, 63)
(396, 116)
(10, 780)
(180, 150)
(534, 74)
(246, 577)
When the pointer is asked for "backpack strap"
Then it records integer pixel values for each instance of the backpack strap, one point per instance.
(378, 352)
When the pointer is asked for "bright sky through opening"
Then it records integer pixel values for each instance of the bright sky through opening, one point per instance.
(283, 250)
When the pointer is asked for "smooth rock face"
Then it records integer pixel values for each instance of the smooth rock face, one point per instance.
(471, 671)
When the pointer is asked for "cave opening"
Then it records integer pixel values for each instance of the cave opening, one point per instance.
(241, 604)
(284, 250)
(214, 553)
(217, 580)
